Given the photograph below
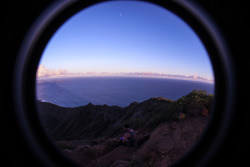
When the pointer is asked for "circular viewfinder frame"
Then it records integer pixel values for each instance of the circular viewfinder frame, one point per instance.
(55, 15)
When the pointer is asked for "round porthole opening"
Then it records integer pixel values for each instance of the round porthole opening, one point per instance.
(115, 64)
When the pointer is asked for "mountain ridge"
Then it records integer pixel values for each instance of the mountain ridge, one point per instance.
(165, 129)
(65, 123)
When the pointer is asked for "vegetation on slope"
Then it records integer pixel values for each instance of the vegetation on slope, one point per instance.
(160, 110)
(165, 130)
(98, 121)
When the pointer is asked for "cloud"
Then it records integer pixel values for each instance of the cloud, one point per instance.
(195, 76)
(42, 71)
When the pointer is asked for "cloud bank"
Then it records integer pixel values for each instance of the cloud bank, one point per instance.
(43, 73)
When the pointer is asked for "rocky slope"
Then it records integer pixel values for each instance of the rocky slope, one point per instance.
(165, 130)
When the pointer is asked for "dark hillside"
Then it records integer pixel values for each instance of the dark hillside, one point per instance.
(79, 122)
(165, 130)
(93, 121)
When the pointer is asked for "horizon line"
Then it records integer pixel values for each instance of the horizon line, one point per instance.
(44, 73)
(193, 77)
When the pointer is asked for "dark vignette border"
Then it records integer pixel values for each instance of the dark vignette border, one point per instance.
(55, 15)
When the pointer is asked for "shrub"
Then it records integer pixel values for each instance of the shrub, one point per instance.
(165, 113)
(196, 102)
(159, 110)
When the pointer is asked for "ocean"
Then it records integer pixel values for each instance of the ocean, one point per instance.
(120, 91)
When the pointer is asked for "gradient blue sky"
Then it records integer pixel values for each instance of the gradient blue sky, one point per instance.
(127, 37)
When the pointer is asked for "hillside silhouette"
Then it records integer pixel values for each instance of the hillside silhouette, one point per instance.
(165, 130)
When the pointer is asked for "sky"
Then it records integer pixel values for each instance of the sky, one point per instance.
(115, 37)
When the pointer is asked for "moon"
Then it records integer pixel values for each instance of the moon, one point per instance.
(120, 14)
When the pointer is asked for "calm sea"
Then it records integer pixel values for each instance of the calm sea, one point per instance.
(121, 91)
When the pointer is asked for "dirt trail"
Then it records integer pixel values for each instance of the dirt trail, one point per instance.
(166, 144)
